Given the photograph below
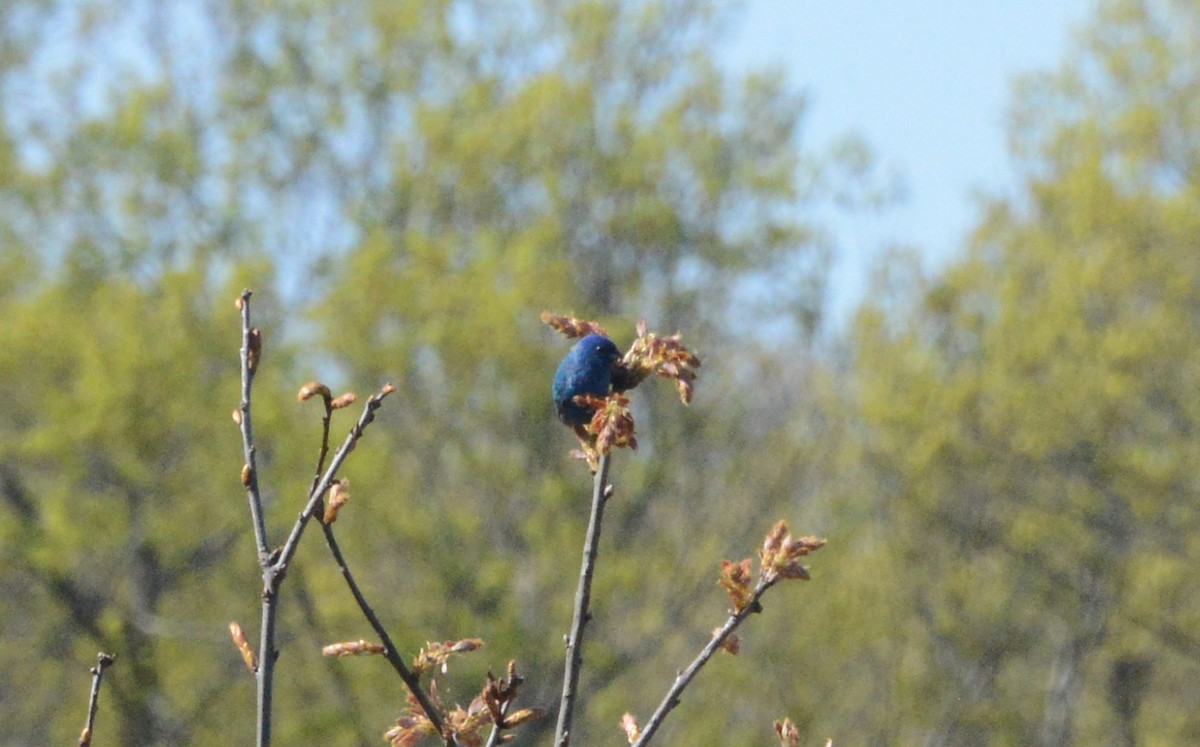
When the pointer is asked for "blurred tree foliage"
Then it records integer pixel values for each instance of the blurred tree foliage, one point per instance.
(417, 181)
(1001, 453)
(1031, 417)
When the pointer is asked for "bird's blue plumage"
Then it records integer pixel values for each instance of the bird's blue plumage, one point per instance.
(587, 369)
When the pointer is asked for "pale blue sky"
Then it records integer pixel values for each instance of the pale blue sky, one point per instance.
(927, 84)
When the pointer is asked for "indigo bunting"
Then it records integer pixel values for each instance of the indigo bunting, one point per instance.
(587, 369)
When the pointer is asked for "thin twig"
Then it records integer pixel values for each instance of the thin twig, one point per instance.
(325, 422)
(601, 491)
(494, 737)
(250, 352)
(317, 492)
(103, 661)
(683, 678)
(390, 652)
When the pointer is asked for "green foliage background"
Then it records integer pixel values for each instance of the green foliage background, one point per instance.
(1000, 452)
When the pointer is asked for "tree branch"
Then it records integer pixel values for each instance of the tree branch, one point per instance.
(671, 699)
(274, 564)
(103, 661)
(390, 652)
(601, 491)
(494, 737)
(251, 351)
(250, 355)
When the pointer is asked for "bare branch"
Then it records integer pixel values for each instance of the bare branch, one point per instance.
(601, 491)
(251, 351)
(391, 653)
(251, 354)
(779, 560)
(103, 661)
(410, 678)
(683, 678)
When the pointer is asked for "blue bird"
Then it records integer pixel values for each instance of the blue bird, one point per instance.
(587, 369)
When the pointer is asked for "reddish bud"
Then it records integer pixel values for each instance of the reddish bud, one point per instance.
(685, 390)
(789, 735)
(735, 577)
(313, 389)
(243, 646)
(571, 327)
(518, 717)
(781, 552)
(338, 495)
(436, 655)
(254, 345)
(352, 648)
(345, 400)
(732, 644)
(630, 726)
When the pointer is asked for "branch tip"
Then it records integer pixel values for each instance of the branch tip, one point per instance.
(103, 661)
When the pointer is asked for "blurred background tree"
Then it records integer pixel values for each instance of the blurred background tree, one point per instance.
(1030, 416)
(1000, 451)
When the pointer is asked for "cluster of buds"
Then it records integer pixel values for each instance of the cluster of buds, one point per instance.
(465, 725)
(498, 695)
(414, 725)
(735, 577)
(781, 553)
(611, 427)
(436, 656)
(612, 424)
(571, 327)
(665, 357)
(779, 559)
